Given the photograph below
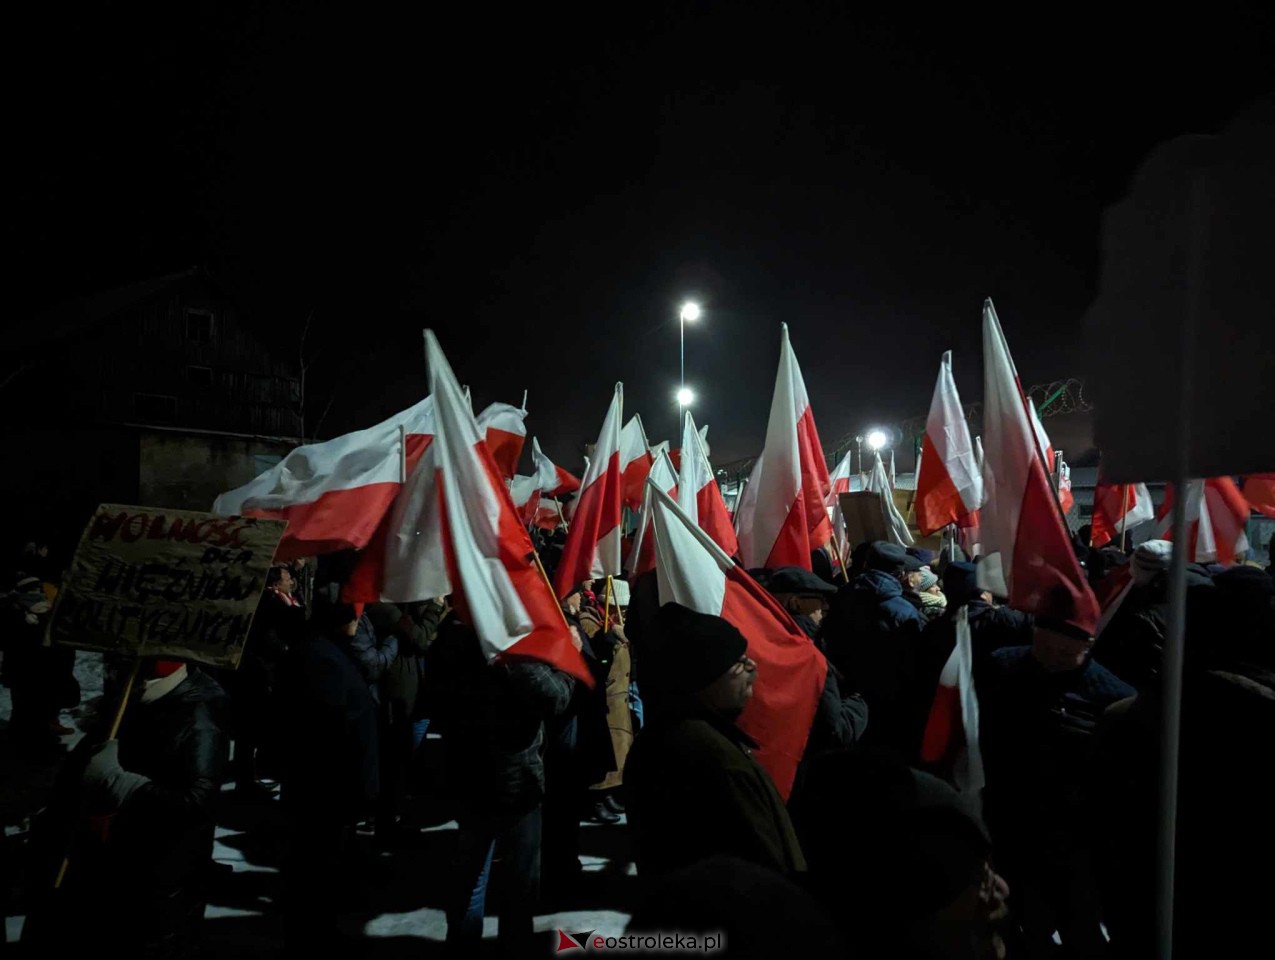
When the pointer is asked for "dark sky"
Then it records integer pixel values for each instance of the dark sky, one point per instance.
(543, 188)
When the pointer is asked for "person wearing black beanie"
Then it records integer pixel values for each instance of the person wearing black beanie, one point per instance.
(694, 788)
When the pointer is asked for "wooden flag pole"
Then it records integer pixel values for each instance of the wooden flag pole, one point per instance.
(544, 574)
(841, 555)
(111, 735)
(1124, 517)
(606, 607)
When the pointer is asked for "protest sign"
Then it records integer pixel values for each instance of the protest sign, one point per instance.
(169, 583)
(864, 514)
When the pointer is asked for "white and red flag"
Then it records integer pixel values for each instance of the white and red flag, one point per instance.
(548, 514)
(335, 494)
(694, 571)
(895, 524)
(949, 485)
(551, 479)
(504, 427)
(456, 533)
(1118, 506)
(641, 558)
(593, 542)
(1216, 515)
(697, 491)
(635, 461)
(1027, 552)
(951, 733)
(1259, 491)
(784, 515)
(839, 482)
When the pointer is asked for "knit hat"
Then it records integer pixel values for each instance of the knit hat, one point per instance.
(960, 582)
(1150, 559)
(928, 579)
(686, 651)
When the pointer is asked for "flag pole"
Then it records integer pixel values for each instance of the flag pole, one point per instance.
(545, 576)
(606, 607)
(402, 455)
(111, 734)
(1124, 517)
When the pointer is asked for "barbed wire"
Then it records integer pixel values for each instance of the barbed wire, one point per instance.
(1051, 399)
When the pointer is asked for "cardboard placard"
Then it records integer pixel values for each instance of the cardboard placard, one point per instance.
(864, 514)
(148, 581)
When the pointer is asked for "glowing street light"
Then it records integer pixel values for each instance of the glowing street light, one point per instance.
(876, 440)
(685, 397)
(690, 311)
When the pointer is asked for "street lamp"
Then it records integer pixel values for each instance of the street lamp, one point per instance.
(684, 397)
(876, 440)
(690, 311)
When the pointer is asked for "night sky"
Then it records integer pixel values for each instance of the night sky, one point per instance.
(543, 188)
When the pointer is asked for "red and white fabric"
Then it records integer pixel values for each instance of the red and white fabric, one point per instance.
(896, 526)
(505, 430)
(525, 494)
(593, 543)
(457, 533)
(548, 514)
(635, 461)
(839, 482)
(697, 491)
(694, 571)
(1027, 552)
(1116, 505)
(641, 558)
(1216, 517)
(949, 484)
(551, 479)
(335, 494)
(951, 743)
(1259, 491)
(784, 517)
(969, 532)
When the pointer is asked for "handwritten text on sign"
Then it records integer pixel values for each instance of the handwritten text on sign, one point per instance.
(170, 583)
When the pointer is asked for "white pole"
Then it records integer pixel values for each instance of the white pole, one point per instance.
(402, 457)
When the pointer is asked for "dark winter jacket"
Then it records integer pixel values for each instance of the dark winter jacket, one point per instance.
(694, 791)
(138, 876)
(332, 767)
(414, 626)
(492, 718)
(840, 717)
(872, 634)
(1037, 734)
(373, 654)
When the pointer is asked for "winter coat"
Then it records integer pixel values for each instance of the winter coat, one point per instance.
(872, 634)
(619, 719)
(694, 790)
(138, 876)
(587, 747)
(1037, 735)
(414, 626)
(373, 654)
(332, 766)
(492, 718)
(1223, 813)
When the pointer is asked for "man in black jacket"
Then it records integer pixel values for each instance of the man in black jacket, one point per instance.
(492, 718)
(139, 869)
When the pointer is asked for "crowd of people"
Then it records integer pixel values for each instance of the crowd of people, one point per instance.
(875, 854)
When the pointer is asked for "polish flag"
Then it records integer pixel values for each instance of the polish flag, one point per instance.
(1027, 551)
(951, 734)
(786, 515)
(1216, 515)
(457, 534)
(593, 542)
(504, 427)
(694, 571)
(635, 461)
(895, 524)
(1259, 491)
(526, 497)
(1117, 504)
(551, 478)
(548, 514)
(335, 494)
(698, 493)
(949, 485)
(968, 528)
(641, 557)
(839, 483)
(1053, 463)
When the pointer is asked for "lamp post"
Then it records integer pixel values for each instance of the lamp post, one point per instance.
(690, 311)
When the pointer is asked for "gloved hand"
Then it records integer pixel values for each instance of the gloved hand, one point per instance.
(107, 783)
